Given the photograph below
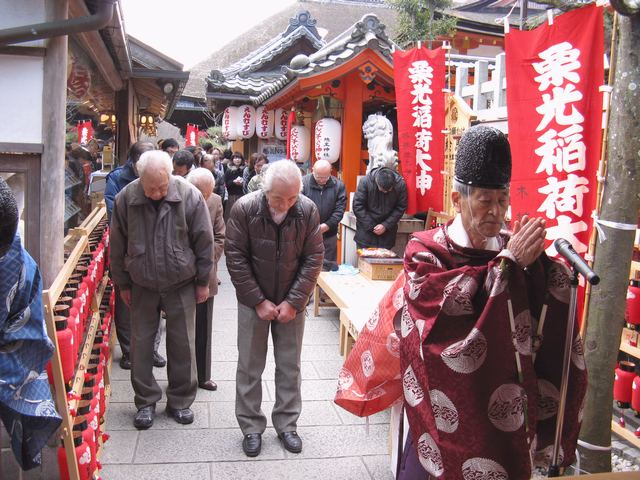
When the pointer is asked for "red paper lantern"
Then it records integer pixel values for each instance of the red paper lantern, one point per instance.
(264, 122)
(300, 144)
(230, 123)
(246, 123)
(624, 375)
(281, 117)
(632, 312)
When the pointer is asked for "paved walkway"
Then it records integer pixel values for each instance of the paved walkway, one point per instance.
(336, 444)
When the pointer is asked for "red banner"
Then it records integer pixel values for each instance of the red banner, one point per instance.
(419, 80)
(85, 132)
(555, 116)
(191, 138)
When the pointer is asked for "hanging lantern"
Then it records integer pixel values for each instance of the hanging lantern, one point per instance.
(300, 143)
(280, 120)
(264, 122)
(246, 123)
(328, 139)
(229, 123)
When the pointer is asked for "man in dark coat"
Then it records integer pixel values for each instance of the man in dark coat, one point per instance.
(328, 193)
(379, 203)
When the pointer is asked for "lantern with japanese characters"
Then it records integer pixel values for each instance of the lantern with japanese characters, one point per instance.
(280, 123)
(264, 122)
(327, 139)
(229, 123)
(246, 121)
(300, 144)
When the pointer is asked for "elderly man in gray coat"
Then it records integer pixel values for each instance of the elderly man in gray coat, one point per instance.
(161, 255)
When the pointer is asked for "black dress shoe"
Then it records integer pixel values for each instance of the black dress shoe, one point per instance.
(208, 385)
(291, 441)
(125, 362)
(144, 417)
(181, 415)
(251, 444)
(158, 360)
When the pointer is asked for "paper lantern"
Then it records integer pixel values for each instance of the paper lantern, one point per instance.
(264, 122)
(246, 121)
(300, 143)
(229, 123)
(280, 119)
(328, 139)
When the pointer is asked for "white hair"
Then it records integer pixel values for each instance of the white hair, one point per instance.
(201, 177)
(466, 190)
(154, 160)
(285, 171)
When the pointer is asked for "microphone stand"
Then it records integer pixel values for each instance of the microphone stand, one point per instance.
(554, 468)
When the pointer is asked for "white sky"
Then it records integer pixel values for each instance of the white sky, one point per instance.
(190, 30)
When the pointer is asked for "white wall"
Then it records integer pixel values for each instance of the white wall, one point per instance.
(21, 77)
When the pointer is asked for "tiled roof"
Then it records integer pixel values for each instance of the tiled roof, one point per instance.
(369, 32)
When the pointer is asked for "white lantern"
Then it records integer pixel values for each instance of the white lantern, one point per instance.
(328, 139)
(300, 144)
(246, 121)
(264, 122)
(281, 117)
(229, 123)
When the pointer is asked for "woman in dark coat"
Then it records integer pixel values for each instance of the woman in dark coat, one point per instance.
(234, 182)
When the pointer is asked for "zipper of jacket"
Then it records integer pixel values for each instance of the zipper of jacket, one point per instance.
(277, 277)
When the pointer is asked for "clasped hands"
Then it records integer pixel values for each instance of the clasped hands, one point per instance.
(282, 313)
(527, 241)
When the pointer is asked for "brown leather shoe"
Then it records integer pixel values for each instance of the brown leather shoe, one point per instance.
(208, 385)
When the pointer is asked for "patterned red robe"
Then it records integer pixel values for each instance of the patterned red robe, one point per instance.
(471, 413)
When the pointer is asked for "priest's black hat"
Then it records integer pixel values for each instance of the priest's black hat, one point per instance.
(483, 158)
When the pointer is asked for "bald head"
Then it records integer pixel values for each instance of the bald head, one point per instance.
(203, 180)
(321, 172)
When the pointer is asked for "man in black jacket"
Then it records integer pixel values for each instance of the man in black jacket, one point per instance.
(328, 193)
(379, 203)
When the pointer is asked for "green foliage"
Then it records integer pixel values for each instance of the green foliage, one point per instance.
(214, 135)
(422, 20)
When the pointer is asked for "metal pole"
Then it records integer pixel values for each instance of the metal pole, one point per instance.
(524, 13)
(554, 468)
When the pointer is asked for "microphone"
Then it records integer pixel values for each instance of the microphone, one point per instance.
(567, 252)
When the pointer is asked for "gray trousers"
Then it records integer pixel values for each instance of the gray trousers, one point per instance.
(179, 306)
(122, 320)
(253, 336)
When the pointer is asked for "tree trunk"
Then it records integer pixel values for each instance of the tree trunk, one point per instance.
(613, 257)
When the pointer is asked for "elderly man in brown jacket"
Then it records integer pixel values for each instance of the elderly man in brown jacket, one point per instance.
(274, 255)
(161, 257)
(203, 180)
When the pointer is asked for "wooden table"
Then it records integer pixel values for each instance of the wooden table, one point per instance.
(356, 296)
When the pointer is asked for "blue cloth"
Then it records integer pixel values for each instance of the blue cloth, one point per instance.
(26, 407)
(116, 181)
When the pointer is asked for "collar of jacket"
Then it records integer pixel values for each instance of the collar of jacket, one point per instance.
(263, 210)
(173, 195)
(314, 184)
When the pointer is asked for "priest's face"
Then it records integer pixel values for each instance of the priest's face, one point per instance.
(482, 212)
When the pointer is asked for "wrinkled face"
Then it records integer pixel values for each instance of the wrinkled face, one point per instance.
(283, 195)
(155, 184)
(322, 174)
(483, 211)
(180, 170)
(208, 163)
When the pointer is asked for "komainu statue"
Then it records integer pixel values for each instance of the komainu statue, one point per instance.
(379, 134)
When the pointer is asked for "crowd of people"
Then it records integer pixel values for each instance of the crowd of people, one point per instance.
(173, 212)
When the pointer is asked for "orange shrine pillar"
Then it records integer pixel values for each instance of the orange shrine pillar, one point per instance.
(351, 131)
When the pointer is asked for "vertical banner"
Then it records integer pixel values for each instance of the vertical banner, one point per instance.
(85, 132)
(191, 138)
(419, 81)
(555, 115)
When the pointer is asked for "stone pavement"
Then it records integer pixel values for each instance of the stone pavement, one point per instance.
(336, 444)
